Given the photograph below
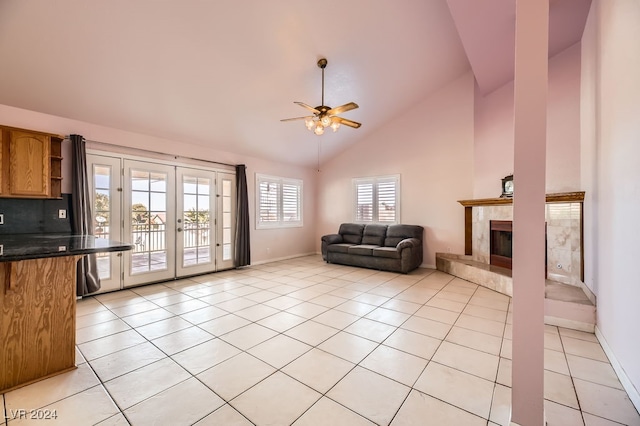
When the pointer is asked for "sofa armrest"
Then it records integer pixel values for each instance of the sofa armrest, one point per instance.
(411, 258)
(408, 242)
(332, 239)
(327, 240)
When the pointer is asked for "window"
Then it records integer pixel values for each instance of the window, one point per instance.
(278, 202)
(377, 199)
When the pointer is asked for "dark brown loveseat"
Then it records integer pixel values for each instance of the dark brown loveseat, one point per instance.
(396, 248)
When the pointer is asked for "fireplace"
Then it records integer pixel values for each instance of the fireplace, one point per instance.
(563, 230)
(500, 243)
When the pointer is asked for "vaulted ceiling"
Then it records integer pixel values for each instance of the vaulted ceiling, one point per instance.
(222, 74)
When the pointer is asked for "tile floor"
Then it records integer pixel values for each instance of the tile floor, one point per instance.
(306, 343)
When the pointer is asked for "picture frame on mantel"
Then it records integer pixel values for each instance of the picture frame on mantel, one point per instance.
(507, 187)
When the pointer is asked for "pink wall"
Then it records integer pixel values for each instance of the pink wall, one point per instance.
(280, 242)
(611, 102)
(431, 147)
(493, 150)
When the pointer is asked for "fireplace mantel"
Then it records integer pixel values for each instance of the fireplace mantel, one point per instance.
(559, 197)
(484, 209)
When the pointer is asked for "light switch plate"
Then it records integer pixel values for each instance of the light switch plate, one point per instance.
(62, 214)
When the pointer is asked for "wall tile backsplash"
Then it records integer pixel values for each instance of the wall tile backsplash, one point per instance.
(33, 216)
(563, 238)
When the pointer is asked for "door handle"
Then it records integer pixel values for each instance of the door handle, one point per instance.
(179, 229)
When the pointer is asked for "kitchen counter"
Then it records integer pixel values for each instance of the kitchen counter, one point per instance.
(38, 303)
(15, 247)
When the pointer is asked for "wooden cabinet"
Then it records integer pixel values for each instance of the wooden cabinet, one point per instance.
(37, 319)
(31, 164)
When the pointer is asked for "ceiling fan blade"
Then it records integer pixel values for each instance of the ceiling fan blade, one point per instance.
(346, 122)
(297, 118)
(310, 108)
(343, 108)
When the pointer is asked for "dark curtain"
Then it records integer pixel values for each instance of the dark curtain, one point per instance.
(87, 280)
(243, 247)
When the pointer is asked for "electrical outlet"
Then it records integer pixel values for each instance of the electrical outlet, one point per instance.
(1, 218)
(62, 214)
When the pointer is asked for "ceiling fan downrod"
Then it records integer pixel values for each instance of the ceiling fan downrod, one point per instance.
(322, 64)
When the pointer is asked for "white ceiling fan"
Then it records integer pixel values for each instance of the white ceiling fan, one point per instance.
(325, 116)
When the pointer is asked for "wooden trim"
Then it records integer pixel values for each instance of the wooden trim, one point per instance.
(582, 243)
(10, 128)
(468, 231)
(560, 197)
(502, 261)
(501, 225)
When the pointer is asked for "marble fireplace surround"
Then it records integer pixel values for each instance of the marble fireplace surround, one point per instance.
(563, 216)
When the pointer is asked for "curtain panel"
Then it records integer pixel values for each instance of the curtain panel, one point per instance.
(87, 280)
(243, 249)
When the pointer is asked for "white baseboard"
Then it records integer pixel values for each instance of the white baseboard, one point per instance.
(628, 386)
(278, 259)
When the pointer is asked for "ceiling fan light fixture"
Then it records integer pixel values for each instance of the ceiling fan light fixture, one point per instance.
(335, 125)
(319, 129)
(326, 121)
(309, 123)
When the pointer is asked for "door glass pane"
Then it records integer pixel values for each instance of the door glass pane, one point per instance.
(196, 221)
(102, 215)
(139, 181)
(190, 184)
(158, 182)
(203, 186)
(226, 219)
(158, 201)
(148, 221)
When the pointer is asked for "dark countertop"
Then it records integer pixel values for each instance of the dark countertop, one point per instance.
(14, 247)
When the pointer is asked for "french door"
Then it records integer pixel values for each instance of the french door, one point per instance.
(181, 220)
(226, 220)
(105, 177)
(149, 222)
(204, 241)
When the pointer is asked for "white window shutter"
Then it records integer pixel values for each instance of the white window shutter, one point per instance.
(377, 199)
(278, 202)
(364, 202)
(387, 202)
(290, 202)
(269, 201)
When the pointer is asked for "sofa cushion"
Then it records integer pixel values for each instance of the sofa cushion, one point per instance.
(390, 252)
(351, 232)
(363, 249)
(374, 234)
(397, 233)
(339, 248)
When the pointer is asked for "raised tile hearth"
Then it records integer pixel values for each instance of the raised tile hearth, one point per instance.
(565, 305)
